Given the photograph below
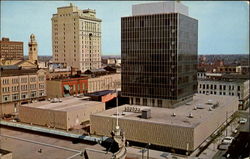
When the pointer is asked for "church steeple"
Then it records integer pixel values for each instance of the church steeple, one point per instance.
(33, 49)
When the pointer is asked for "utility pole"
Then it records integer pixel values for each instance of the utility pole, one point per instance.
(148, 151)
(226, 122)
(142, 152)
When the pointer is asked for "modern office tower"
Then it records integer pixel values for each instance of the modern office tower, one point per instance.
(159, 54)
(76, 38)
(11, 50)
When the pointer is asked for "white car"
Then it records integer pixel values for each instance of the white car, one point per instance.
(242, 120)
(235, 131)
(228, 140)
(223, 146)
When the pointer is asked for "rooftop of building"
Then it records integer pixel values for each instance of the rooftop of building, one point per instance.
(89, 14)
(7, 40)
(100, 93)
(200, 108)
(66, 104)
(225, 77)
(223, 80)
(5, 72)
(70, 77)
(159, 8)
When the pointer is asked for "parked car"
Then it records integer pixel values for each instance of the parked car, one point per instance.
(235, 131)
(228, 140)
(224, 146)
(242, 120)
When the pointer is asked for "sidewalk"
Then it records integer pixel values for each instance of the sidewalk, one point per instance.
(212, 148)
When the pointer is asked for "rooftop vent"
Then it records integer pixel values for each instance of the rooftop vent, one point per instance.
(210, 102)
(132, 109)
(55, 100)
(200, 106)
(190, 115)
(146, 113)
(215, 105)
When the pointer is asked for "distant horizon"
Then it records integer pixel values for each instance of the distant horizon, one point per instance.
(120, 55)
(223, 25)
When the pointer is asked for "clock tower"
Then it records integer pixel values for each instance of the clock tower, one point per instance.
(33, 49)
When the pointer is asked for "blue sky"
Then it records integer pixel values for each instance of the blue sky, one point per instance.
(223, 25)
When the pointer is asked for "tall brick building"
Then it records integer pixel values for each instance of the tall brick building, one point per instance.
(11, 49)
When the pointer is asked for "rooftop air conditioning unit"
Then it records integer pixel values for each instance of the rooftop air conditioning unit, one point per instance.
(210, 102)
(200, 106)
(146, 113)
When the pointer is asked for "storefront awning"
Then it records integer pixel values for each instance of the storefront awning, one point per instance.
(66, 87)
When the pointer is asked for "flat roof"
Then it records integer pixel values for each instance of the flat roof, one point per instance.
(17, 72)
(101, 93)
(165, 115)
(68, 104)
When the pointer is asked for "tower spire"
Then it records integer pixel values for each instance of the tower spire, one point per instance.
(33, 49)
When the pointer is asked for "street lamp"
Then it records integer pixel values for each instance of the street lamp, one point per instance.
(148, 150)
(144, 150)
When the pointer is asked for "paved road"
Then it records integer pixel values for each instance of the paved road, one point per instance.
(238, 140)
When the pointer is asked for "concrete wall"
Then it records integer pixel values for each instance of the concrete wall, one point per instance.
(146, 132)
(43, 117)
(54, 89)
(58, 119)
(179, 137)
(6, 108)
(81, 115)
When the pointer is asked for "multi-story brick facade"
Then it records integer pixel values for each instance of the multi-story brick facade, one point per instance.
(105, 82)
(11, 50)
(20, 86)
(67, 86)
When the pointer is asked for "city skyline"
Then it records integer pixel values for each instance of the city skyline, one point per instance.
(216, 24)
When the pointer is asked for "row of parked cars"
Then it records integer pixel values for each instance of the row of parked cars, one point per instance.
(225, 143)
